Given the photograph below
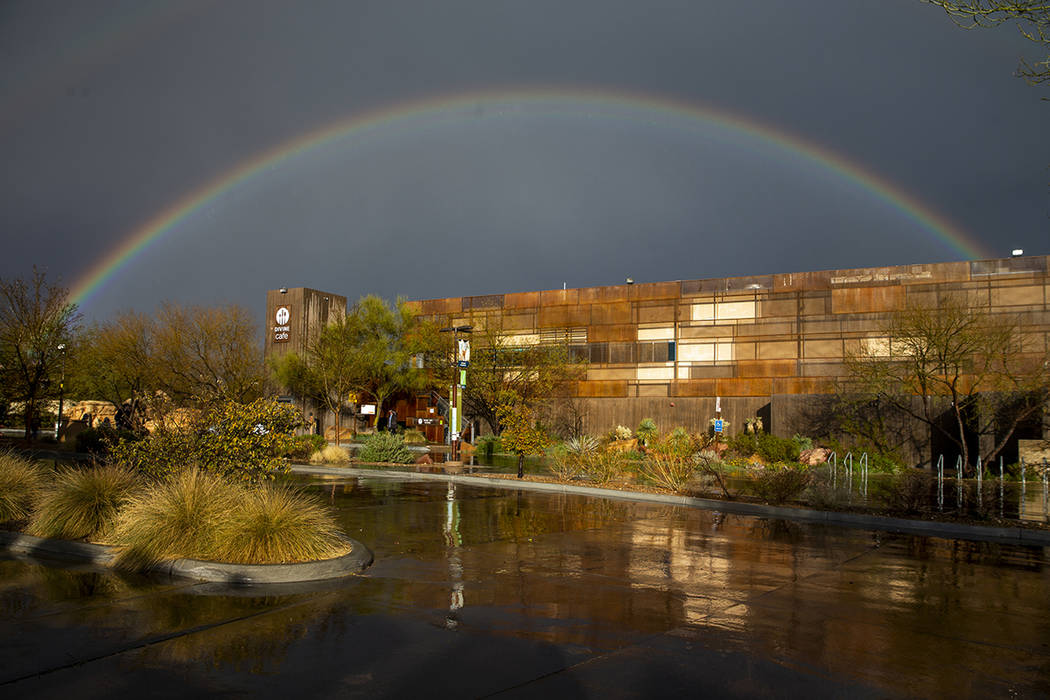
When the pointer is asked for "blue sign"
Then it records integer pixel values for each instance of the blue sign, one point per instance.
(718, 425)
(464, 363)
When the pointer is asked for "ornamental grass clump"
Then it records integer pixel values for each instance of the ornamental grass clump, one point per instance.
(182, 516)
(83, 503)
(278, 524)
(21, 482)
(331, 454)
(671, 471)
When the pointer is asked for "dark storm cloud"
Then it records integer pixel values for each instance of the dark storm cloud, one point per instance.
(113, 113)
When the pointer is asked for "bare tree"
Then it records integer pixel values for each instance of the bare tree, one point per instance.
(115, 363)
(958, 369)
(37, 323)
(1033, 21)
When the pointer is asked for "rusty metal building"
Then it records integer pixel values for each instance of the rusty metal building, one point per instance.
(761, 345)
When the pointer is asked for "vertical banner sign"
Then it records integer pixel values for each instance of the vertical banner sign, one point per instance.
(463, 353)
(281, 328)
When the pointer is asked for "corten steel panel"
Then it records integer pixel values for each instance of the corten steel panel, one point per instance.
(777, 350)
(828, 348)
(744, 351)
(623, 333)
(555, 297)
(867, 299)
(1028, 295)
(865, 323)
(694, 387)
(486, 301)
(795, 281)
(750, 330)
(652, 390)
(710, 371)
(563, 316)
(722, 331)
(519, 322)
(816, 304)
(452, 305)
(590, 295)
(921, 295)
(824, 369)
(778, 306)
(655, 290)
(744, 387)
(598, 374)
(766, 368)
(656, 314)
(521, 300)
(611, 313)
(608, 389)
(803, 385)
(815, 326)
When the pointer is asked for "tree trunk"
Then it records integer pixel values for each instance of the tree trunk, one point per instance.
(521, 465)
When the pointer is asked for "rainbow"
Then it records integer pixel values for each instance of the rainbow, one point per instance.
(596, 103)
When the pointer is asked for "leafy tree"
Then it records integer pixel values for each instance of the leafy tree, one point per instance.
(37, 325)
(521, 433)
(114, 363)
(241, 442)
(1033, 21)
(535, 374)
(956, 361)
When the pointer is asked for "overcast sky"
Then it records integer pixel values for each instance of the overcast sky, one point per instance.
(113, 111)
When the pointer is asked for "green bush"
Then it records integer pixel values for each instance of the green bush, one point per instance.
(301, 447)
(99, 441)
(385, 447)
(488, 444)
(781, 482)
(21, 482)
(243, 442)
(83, 503)
(769, 447)
(602, 467)
(802, 443)
(677, 443)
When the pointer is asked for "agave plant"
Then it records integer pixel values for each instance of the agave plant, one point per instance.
(646, 431)
(581, 445)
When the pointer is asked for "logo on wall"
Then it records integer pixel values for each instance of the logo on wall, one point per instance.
(281, 330)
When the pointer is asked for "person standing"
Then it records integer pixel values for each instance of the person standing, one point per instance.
(391, 421)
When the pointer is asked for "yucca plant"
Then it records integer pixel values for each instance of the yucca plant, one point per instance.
(278, 524)
(179, 517)
(83, 503)
(21, 482)
(647, 431)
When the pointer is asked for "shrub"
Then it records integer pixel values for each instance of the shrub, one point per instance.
(711, 466)
(181, 516)
(802, 443)
(414, 436)
(488, 444)
(302, 446)
(912, 491)
(243, 442)
(669, 471)
(622, 432)
(781, 482)
(770, 448)
(678, 443)
(331, 454)
(567, 461)
(83, 503)
(385, 447)
(646, 431)
(21, 482)
(278, 524)
(603, 466)
(99, 441)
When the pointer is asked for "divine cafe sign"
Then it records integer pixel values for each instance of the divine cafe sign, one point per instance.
(281, 329)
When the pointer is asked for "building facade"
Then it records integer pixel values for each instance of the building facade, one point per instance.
(765, 345)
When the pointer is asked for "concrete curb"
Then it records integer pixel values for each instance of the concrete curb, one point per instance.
(980, 533)
(359, 559)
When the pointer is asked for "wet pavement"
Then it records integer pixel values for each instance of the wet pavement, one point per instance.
(478, 592)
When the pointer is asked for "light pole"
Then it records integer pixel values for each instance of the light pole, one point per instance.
(458, 383)
(61, 393)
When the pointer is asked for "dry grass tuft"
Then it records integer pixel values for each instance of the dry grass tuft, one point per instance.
(21, 484)
(280, 524)
(83, 503)
(180, 517)
(331, 454)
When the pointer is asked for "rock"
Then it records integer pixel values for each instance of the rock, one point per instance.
(624, 446)
(815, 456)
(424, 459)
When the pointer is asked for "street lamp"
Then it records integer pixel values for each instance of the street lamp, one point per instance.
(457, 384)
(61, 393)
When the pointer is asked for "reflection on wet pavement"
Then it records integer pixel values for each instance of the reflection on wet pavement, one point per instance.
(481, 591)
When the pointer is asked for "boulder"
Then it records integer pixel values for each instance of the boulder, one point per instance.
(815, 456)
